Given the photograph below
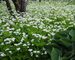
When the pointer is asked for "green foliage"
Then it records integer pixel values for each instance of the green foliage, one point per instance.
(55, 54)
(42, 34)
(65, 40)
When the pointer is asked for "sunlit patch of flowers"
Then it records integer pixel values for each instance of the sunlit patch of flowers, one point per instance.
(29, 35)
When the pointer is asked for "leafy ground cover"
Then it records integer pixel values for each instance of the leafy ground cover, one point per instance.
(30, 37)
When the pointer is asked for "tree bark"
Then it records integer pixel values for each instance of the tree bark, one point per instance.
(39, 0)
(20, 5)
(9, 6)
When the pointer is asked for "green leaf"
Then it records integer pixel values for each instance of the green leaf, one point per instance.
(72, 33)
(55, 54)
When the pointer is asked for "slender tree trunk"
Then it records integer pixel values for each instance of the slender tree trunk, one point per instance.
(9, 6)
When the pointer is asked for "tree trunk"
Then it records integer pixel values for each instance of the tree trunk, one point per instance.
(20, 5)
(23, 4)
(9, 6)
(16, 4)
(39, 0)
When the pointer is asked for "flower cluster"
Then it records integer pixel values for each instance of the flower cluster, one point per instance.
(28, 37)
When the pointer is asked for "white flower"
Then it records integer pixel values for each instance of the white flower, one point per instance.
(10, 52)
(13, 39)
(32, 44)
(31, 53)
(22, 39)
(18, 49)
(8, 42)
(44, 37)
(11, 22)
(45, 52)
(24, 45)
(37, 56)
(34, 51)
(19, 43)
(16, 44)
(24, 35)
(44, 48)
(7, 39)
(30, 50)
(45, 30)
(27, 46)
(6, 49)
(32, 40)
(2, 54)
(52, 33)
(2, 43)
(54, 29)
(13, 19)
(38, 51)
(28, 43)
